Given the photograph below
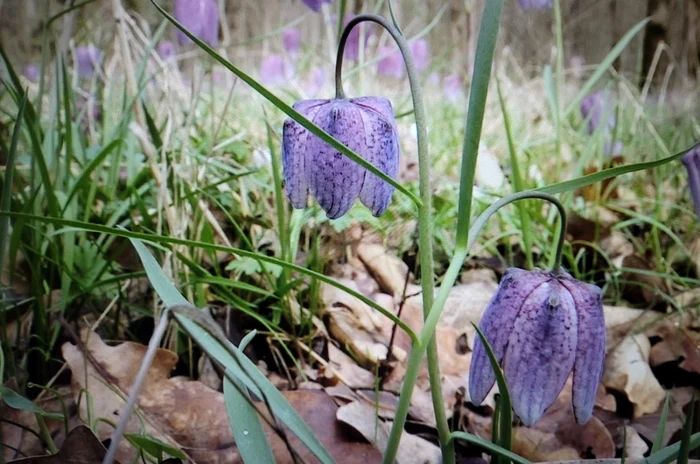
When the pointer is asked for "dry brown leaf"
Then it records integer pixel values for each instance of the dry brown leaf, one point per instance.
(635, 446)
(627, 370)
(387, 269)
(536, 445)
(187, 414)
(413, 449)
(343, 368)
(676, 344)
(80, 447)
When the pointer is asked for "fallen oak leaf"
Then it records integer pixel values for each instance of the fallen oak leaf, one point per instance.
(80, 447)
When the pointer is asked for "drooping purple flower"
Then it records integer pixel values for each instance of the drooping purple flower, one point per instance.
(593, 108)
(87, 59)
(315, 81)
(291, 38)
(166, 50)
(392, 64)
(541, 326)
(420, 49)
(691, 161)
(452, 87)
(32, 72)
(315, 4)
(201, 18)
(275, 70)
(535, 4)
(367, 126)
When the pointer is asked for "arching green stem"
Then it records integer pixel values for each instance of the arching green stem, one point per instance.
(448, 281)
(425, 238)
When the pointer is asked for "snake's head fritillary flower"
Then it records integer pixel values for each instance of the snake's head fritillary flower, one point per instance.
(291, 38)
(452, 87)
(392, 63)
(166, 50)
(32, 72)
(275, 70)
(535, 4)
(542, 326)
(201, 18)
(420, 49)
(315, 5)
(367, 126)
(87, 59)
(593, 107)
(691, 161)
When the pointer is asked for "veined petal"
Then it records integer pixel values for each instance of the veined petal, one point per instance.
(590, 353)
(541, 350)
(333, 178)
(497, 324)
(295, 152)
(381, 149)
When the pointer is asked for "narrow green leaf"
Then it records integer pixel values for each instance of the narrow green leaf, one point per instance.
(604, 65)
(506, 411)
(17, 401)
(291, 112)
(661, 430)
(83, 179)
(488, 446)
(153, 446)
(684, 450)
(245, 424)
(671, 452)
(573, 184)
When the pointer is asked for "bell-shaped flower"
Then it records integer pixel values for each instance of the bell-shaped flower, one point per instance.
(420, 49)
(392, 64)
(367, 126)
(542, 326)
(593, 108)
(32, 72)
(315, 5)
(535, 4)
(691, 161)
(291, 38)
(165, 50)
(201, 18)
(87, 59)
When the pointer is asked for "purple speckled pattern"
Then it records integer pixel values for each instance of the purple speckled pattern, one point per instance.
(497, 323)
(590, 353)
(315, 5)
(365, 125)
(541, 350)
(691, 161)
(542, 327)
(535, 4)
(201, 18)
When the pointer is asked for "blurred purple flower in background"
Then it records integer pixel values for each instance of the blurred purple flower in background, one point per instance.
(166, 50)
(367, 126)
(274, 70)
(201, 18)
(593, 107)
(420, 49)
(315, 81)
(88, 58)
(31, 72)
(291, 38)
(691, 161)
(315, 4)
(452, 87)
(392, 64)
(535, 4)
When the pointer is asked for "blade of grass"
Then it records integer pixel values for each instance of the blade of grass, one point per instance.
(670, 453)
(488, 446)
(684, 450)
(245, 424)
(505, 423)
(604, 65)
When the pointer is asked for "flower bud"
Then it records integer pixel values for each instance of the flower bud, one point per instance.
(366, 125)
(542, 326)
